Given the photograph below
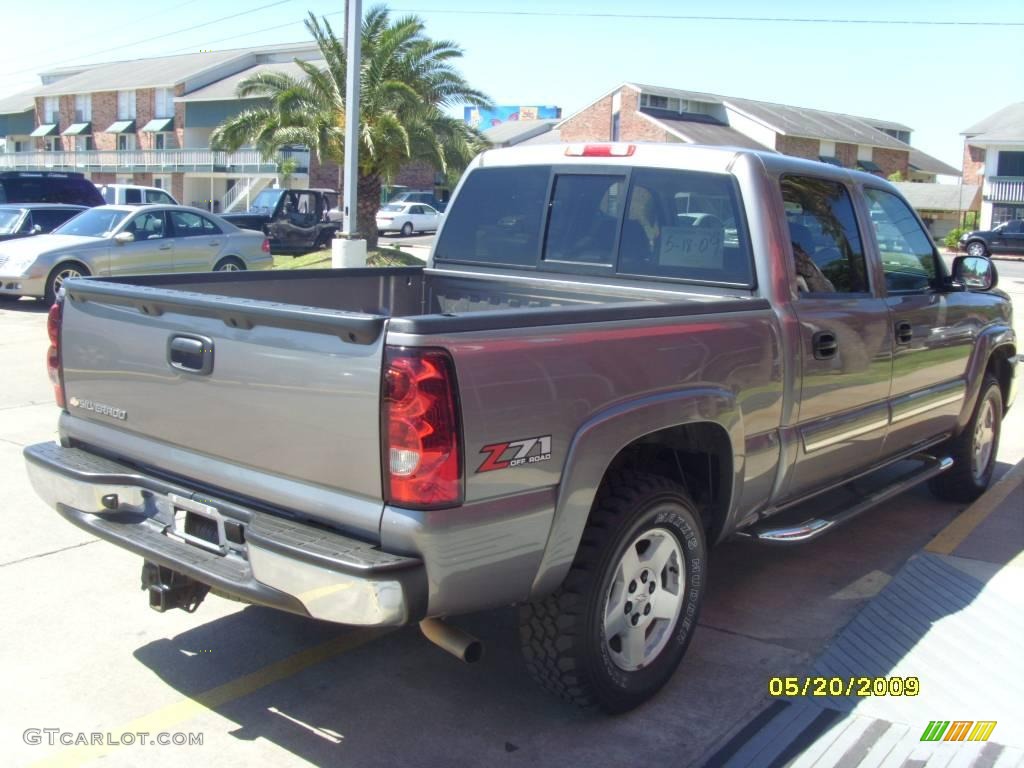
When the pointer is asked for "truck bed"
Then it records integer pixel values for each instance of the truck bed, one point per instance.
(289, 411)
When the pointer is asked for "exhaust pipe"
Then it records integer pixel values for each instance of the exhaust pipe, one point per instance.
(458, 643)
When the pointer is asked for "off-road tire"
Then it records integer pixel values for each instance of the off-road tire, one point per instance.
(563, 636)
(962, 483)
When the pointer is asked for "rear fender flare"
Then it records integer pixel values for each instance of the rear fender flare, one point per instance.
(597, 443)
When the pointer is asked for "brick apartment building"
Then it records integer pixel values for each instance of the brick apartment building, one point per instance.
(149, 121)
(994, 158)
(634, 112)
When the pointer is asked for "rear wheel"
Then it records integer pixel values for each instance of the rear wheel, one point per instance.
(974, 450)
(612, 635)
(407, 229)
(57, 276)
(229, 264)
(977, 249)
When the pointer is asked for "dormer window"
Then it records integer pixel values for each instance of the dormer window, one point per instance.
(667, 103)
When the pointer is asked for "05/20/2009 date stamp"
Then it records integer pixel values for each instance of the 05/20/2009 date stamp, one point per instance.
(843, 686)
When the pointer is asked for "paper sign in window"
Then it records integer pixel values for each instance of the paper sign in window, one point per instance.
(699, 247)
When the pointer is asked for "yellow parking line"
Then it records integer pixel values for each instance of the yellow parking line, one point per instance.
(954, 534)
(162, 720)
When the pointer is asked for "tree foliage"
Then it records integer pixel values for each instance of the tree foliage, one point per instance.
(407, 83)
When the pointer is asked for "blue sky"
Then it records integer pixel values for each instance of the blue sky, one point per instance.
(935, 78)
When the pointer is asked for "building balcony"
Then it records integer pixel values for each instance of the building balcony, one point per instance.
(1004, 189)
(244, 161)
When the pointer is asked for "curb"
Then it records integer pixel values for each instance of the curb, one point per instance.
(954, 534)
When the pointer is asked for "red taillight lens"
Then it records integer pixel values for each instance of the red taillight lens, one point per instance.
(265, 247)
(53, 363)
(420, 429)
(600, 150)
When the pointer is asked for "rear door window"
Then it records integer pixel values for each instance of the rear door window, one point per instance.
(827, 252)
(132, 196)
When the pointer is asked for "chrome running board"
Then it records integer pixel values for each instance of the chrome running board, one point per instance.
(815, 527)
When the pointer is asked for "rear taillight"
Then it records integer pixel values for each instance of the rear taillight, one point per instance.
(265, 247)
(420, 429)
(53, 363)
(600, 150)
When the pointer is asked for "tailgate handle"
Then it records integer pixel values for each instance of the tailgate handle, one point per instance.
(192, 354)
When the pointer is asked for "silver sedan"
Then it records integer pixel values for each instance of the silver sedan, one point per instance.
(128, 240)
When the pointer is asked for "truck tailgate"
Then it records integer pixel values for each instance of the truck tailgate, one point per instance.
(290, 397)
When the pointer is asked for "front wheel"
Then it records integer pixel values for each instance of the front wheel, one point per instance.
(230, 264)
(974, 450)
(58, 275)
(977, 249)
(612, 635)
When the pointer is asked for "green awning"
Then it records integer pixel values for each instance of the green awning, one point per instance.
(869, 166)
(78, 129)
(46, 129)
(830, 160)
(122, 126)
(159, 125)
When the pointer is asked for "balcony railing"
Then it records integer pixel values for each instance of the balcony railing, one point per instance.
(151, 160)
(1004, 189)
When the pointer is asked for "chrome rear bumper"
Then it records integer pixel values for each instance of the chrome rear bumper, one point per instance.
(253, 555)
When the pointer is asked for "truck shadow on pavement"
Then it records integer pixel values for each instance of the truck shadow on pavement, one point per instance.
(389, 697)
(26, 306)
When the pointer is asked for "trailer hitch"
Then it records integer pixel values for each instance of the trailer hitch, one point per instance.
(169, 589)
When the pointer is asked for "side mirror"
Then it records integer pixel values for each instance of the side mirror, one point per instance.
(976, 273)
(123, 238)
(37, 229)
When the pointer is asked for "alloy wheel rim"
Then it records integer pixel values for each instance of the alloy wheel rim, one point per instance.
(64, 274)
(229, 267)
(644, 600)
(976, 249)
(984, 440)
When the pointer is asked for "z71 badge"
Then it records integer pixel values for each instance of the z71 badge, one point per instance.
(516, 453)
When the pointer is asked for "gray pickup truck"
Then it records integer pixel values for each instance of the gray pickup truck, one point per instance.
(617, 356)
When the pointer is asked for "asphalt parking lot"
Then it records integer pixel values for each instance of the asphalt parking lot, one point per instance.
(82, 653)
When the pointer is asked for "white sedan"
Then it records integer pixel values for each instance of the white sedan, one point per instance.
(407, 218)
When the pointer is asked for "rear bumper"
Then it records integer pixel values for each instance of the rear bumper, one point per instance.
(259, 557)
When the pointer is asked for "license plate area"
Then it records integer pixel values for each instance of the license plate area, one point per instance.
(198, 524)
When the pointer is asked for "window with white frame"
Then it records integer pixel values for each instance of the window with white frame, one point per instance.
(83, 108)
(126, 105)
(51, 110)
(126, 141)
(83, 144)
(669, 103)
(164, 106)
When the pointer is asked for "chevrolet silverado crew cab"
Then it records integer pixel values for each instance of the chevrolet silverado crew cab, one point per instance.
(617, 356)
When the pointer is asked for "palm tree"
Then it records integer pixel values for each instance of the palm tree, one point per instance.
(406, 84)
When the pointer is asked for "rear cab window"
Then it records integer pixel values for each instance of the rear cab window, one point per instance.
(648, 223)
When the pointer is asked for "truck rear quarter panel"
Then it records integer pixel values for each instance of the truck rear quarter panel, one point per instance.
(567, 385)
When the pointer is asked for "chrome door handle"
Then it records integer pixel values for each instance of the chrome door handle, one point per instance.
(165, 247)
(214, 242)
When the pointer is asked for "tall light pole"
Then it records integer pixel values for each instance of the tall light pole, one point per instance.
(353, 52)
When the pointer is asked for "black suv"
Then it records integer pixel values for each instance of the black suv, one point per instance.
(48, 187)
(23, 220)
(1008, 237)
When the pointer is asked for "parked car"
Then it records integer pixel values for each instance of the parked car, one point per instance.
(127, 240)
(421, 196)
(295, 220)
(407, 218)
(132, 194)
(48, 187)
(34, 218)
(590, 384)
(1008, 237)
